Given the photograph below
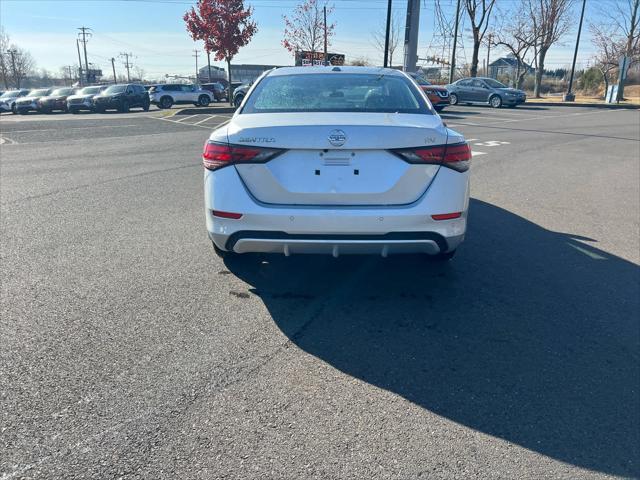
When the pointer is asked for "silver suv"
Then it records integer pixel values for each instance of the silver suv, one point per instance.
(164, 96)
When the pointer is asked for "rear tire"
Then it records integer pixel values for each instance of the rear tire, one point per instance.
(238, 100)
(14, 110)
(495, 101)
(165, 102)
(222, 253)
(443, 256)
(203, 101)
(145, 106)
(453, 99)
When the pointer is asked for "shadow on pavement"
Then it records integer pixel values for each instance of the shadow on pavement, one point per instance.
(528, 335)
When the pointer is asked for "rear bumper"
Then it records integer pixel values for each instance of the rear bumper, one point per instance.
(336, 230)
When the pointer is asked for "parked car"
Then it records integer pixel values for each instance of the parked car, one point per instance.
(485, 91)
(8, 99)
(218, 90)
(122, 98)
(56, 100)
(438, 96)
(83, 99)
(336, 160)
(164, 96)
(30, 102)
(239, 93)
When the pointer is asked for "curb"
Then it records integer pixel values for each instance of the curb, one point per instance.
(204, 111)
(612, 106)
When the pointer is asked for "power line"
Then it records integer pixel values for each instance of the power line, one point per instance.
(83, 37)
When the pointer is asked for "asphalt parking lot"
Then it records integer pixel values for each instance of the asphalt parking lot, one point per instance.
(128, 350)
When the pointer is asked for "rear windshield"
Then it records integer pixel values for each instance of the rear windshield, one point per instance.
(115, 89)
(39, 93)
(90, 90)
(336, 92)
(63, 91)
(494, 83)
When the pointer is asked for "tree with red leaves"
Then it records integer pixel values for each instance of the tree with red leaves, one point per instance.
(224, 26)
(305, 29)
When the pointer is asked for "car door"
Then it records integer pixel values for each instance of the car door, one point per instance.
(188, 93)
(480, 91)
(130, 95)
(463, 90)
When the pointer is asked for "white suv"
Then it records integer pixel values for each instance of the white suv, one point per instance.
(8, 99)
(164, 96)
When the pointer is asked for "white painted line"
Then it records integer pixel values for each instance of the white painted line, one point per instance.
(70, 128)
(207, 119)
(476, 154)
(186, 118)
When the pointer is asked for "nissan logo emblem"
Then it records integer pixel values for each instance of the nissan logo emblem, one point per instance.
(337, 138)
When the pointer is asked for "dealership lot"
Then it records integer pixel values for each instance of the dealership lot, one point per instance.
(128, 350)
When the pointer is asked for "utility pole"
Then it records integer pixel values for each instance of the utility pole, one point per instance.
(489, 40)
(127, 65)
(324, 11)
(209, 64)
(16, 77)
(452, 72)
(386, 36)
(113, 67)
(79, 63)
(195, 54)
(569, 96)
(411, 36)
(85, 33)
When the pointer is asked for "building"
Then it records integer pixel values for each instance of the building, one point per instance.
(217, 73)
(241, 73)
(507, 66)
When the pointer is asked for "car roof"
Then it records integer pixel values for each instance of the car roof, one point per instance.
(328, 69)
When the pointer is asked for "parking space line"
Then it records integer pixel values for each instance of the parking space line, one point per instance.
(207, 119)
(186, 118)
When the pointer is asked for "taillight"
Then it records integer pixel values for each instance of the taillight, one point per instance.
(456, 156)
(217, 155)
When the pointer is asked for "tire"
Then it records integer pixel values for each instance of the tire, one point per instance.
(439, 109)
(495, 101)
(14, 110)
(238, 100)
(443, 256)
(223, 253)
(73, 110)
(100, 109)
(165, 102)
(146, 106)
(45, 111)
(124, 107)
(23, 111)
(203, 101)
(513, 106)
(453, 99)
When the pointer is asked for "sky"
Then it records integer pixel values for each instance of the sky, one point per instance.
(154, 32)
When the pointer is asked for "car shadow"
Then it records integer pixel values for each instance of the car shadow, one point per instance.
(528, 335)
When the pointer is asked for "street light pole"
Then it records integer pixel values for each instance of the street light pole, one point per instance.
(386, 36)
(569, 96)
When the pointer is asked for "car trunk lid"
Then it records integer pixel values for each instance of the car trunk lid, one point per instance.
(337, 158)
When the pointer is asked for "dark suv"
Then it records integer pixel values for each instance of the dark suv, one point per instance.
(122, 98)
(218, 90)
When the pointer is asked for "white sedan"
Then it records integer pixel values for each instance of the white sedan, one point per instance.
(336, 160)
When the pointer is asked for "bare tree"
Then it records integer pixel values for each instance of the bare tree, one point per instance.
(479, 12)
(379, 36)
(5, 62)
(622, 25)
(139, 72)
(549, 20)
(608, 51)
(304, 30)
(518, 37)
